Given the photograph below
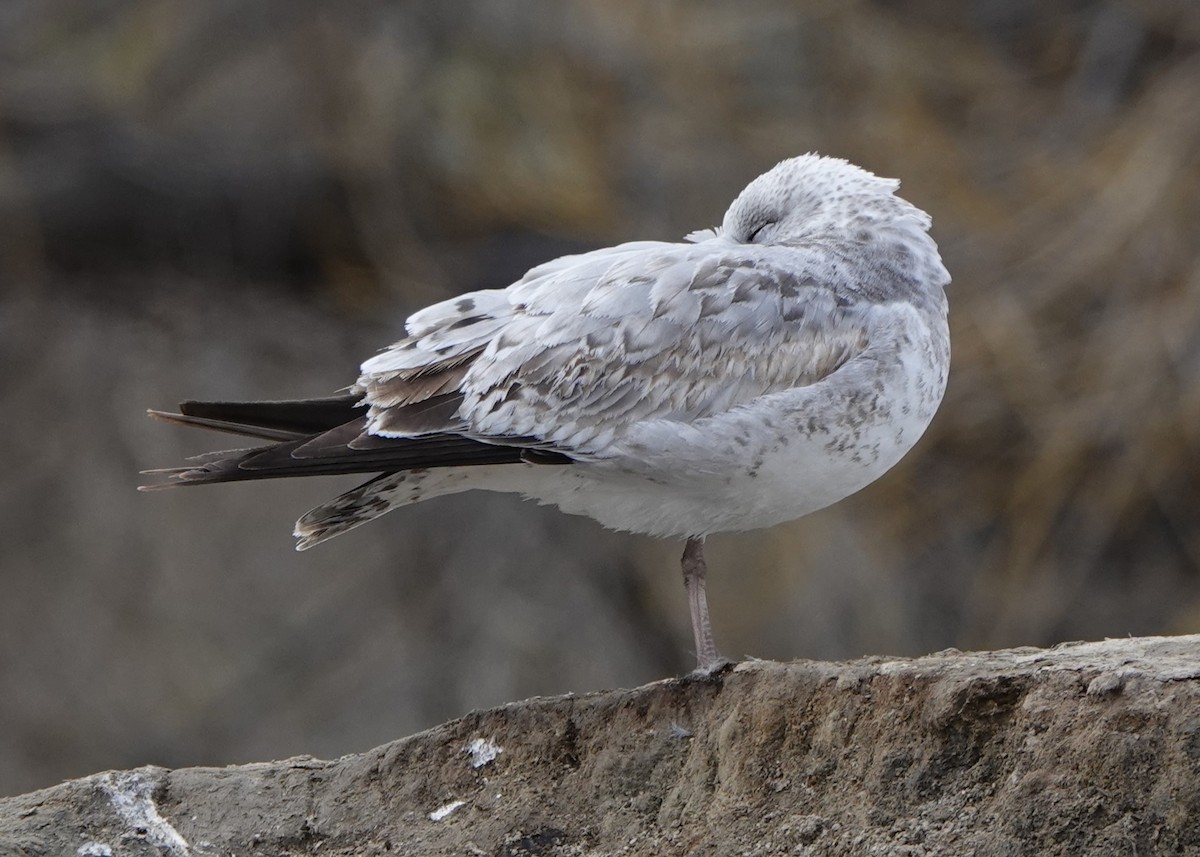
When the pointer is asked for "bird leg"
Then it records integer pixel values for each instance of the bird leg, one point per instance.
(694, 571)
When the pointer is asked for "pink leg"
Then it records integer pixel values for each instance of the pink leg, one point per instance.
(694, 570)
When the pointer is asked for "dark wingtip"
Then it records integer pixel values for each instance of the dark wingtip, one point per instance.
(172, 477)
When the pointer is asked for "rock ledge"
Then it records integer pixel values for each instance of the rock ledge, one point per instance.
(1086, 748)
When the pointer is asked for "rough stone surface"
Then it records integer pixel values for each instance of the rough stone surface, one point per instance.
(1086, 748)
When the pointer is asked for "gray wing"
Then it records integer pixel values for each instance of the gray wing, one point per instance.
(580, 349)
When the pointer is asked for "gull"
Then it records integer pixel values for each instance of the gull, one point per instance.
(749, 375)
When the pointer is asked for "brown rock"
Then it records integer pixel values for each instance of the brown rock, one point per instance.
(1086, 748)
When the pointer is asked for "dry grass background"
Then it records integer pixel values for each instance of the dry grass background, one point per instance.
(224, 199)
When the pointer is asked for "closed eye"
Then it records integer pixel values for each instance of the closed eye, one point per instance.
(753, 236)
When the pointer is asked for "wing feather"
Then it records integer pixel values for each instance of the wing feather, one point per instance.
(562, 364)
(585, 346)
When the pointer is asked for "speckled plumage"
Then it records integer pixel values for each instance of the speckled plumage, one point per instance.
(765, 370)
(752, 374)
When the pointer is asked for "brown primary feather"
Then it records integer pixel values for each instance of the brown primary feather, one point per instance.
(334, 447)
(276, 460)
(224, 425)
(298, 416)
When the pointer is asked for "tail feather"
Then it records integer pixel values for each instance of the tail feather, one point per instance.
(372, 499)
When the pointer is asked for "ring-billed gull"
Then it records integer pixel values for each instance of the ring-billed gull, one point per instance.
(754, 373)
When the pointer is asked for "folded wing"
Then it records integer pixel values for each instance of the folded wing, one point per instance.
(556, 367)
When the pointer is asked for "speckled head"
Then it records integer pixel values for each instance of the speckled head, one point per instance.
(828, 201)
(811, 196)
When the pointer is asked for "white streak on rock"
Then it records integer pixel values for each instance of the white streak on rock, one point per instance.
(482, 752)
(130, 796)
(445, 810)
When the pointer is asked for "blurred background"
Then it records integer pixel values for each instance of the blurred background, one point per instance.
(235, 200)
